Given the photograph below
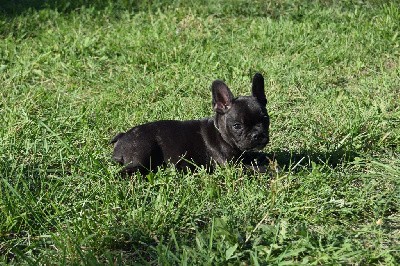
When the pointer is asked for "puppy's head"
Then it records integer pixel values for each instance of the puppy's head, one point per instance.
(243, 121)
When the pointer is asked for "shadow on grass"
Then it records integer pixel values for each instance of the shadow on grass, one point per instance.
(285, 159)
(14, 8)
(288, 159)
(273, 9)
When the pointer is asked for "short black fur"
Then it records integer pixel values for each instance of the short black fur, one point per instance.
(240, 126)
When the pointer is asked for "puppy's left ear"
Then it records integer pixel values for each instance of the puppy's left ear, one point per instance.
(257, 88)
(221, 96)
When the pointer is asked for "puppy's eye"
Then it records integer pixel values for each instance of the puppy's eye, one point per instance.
(237, 126)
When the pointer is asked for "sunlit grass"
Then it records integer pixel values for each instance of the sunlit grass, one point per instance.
(71, 79)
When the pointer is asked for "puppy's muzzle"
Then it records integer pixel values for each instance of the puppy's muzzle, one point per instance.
(259, 140)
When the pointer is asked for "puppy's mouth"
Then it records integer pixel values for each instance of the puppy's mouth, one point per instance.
(257, 146)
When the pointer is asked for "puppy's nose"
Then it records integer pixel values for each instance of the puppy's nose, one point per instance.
(258, 135)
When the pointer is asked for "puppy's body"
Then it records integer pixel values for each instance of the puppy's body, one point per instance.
(240, 125)
(148, 146)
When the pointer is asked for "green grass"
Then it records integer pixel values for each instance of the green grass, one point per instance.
(73, 76)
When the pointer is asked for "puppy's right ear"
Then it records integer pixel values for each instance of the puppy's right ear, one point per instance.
(221, 97)
(257, 88)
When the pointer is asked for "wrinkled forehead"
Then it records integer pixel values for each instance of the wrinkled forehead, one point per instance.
(249, 108)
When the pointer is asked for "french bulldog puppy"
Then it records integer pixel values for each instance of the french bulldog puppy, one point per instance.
(239, 127)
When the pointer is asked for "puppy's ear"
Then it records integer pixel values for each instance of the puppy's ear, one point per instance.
(258, 88)
(221, 97)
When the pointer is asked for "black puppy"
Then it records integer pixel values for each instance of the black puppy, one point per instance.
(240, 125)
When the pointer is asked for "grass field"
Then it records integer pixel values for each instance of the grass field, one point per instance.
(73, 76)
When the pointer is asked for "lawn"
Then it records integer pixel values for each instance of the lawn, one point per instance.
(74, 74)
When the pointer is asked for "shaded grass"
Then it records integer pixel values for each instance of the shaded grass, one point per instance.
(71, 80)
